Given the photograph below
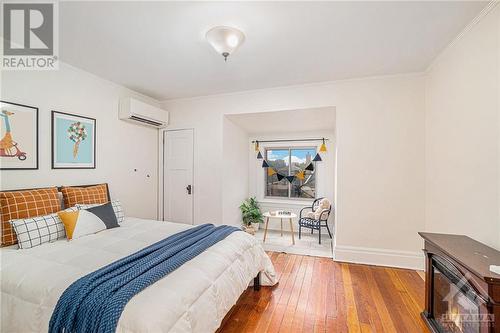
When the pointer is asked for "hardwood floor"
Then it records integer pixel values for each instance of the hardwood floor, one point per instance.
(320, 295)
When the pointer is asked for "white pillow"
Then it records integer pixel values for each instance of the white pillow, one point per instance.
(117, 208)
(89, 221)
(34, 231)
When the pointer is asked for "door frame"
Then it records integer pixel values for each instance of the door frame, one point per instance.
(161, 179)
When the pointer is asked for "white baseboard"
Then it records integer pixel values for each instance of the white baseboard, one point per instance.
(379, 257)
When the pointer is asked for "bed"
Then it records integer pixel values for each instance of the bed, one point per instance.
(194, 298)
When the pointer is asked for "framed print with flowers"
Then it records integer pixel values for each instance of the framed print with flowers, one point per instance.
(73, 141)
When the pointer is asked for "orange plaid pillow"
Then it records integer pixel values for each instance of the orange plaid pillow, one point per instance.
(97, 194)
(25, 204)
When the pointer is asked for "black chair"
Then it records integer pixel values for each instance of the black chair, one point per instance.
(313, 224)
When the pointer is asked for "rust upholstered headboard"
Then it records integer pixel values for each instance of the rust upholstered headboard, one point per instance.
(26, 203)
(59, 188)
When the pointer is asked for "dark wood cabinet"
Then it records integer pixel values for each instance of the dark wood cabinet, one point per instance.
(461, 293)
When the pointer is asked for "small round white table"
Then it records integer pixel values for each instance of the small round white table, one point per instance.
(276, 215)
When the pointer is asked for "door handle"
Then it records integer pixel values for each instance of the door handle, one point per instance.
(188, 189)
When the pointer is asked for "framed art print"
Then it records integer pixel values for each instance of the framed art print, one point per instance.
(73, 141)
(18, 136)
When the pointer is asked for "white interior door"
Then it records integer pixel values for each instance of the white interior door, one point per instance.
(178, 176)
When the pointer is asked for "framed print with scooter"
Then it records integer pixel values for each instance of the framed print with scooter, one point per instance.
(73, 141)
(19, 136)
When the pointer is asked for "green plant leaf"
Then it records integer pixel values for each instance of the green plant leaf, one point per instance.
(250, 211)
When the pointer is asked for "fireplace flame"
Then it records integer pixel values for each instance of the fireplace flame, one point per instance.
(454, 316)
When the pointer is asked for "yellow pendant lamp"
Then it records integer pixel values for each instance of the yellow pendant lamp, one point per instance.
(322, 149)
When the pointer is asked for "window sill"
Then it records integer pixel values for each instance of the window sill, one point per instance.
(288, 202)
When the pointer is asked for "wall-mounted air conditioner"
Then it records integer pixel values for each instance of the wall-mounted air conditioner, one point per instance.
(138, 112)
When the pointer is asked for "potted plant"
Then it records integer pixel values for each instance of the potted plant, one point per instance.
(251, 214)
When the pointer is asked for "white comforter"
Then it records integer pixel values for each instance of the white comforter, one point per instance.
(194, 298)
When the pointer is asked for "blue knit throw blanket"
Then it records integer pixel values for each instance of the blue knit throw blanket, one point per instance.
(94, 303)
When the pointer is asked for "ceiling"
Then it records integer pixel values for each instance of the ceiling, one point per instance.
(287, 121)
(159, 48)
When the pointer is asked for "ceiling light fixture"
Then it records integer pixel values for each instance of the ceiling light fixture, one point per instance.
(225, 40)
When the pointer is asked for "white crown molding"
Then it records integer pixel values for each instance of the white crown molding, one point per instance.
(379, 257)
(297, 86)
(139, 95)
(486, 10)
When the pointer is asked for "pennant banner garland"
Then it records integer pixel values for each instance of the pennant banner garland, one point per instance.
(271, 171)
(317, 158)
(300, 174)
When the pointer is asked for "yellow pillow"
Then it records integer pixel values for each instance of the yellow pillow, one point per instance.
(69, 220)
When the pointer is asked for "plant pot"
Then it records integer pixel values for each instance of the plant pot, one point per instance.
(248, 229)
(256, 226)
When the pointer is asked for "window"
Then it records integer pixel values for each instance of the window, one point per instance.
(289, 161)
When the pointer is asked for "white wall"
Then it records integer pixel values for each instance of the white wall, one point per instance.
(414, 152)
(235, 171)
(121, 147)
(462, 135)
(325, 171)
(380, 158)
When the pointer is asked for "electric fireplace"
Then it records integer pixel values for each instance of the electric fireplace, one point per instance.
(462, 295)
